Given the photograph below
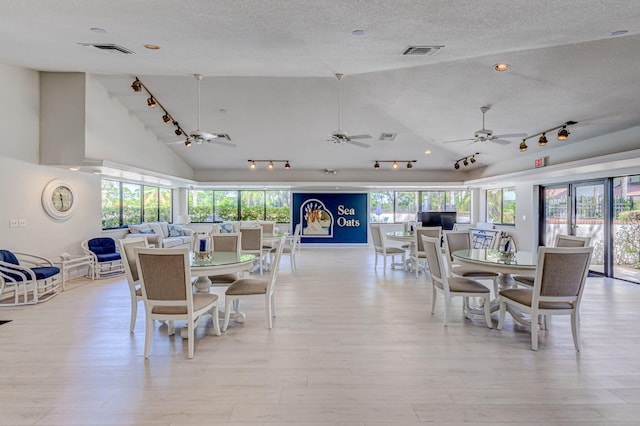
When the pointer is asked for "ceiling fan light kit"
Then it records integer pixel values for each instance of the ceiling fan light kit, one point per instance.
(485, 134)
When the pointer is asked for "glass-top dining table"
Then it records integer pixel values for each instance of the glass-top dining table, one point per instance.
(217, 263)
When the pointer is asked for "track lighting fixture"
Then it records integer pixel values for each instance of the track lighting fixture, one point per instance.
(270, 165)
(563, 134)
(152, 102)
(543, 140)
(394, 164)
(465, 160)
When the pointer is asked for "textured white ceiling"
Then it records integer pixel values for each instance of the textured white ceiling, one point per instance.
(270, 66)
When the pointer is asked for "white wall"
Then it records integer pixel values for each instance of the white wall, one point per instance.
(24, 179)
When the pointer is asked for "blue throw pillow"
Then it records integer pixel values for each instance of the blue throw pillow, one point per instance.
(147, 231)
(226, 227)
(175, 231)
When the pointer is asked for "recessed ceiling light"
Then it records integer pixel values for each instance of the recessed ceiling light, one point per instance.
(618, 33)
(98, 30)
(427, 152)
(74, 169)
(357, 32)
(151, 46)
(501, 67)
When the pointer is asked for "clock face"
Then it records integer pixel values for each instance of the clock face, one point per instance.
(59, 199)
(62, 198)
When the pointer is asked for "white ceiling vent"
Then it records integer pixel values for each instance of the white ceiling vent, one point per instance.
(390, 137)
(421, 50)
(108, 47)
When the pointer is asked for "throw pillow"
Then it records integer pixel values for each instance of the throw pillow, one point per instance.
(226, 227)
(146, 231)
(175, 231)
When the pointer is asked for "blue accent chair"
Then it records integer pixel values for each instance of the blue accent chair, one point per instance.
(26, 279)
(106, 258)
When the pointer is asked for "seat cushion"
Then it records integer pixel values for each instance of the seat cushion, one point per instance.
(463, 271)
(524, 296)
(108, 257)
(524, 279)
(394, 250)
(176, 241)
(245, 286)
(102, 245)
(41, 273)
(466, 285)
(224, 278)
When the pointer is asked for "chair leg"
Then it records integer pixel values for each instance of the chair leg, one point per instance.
(147, 335)
(216, 320)
(273, 305)
(446, 311)
(534, 334)
(227, 312)
(384, 264)
(503, 311)
(191, 336)
(134, 313)
(375, 263)
(268, 308)
(487, 311)
(575, 329)
(434, 294)
(171, 328)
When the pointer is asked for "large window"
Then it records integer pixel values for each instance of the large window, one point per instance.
(501, 206)
(401, 206)
(126, 203)
(216, 206)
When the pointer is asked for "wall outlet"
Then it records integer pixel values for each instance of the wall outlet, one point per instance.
(13, 223)
(22, 223)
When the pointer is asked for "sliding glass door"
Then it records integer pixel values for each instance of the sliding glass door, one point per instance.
(589, 215)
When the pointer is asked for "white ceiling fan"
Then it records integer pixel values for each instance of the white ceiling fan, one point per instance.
(200, 137)
(484, 135)
(340, 137)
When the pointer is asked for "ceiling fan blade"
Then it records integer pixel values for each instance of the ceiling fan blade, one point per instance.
(223, 143)
(463, 140)
(360, 144)
(223, 136)
(500, 141)
(510, 135)
(360, 137)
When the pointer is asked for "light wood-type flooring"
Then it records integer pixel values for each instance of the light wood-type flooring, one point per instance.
(349, 346)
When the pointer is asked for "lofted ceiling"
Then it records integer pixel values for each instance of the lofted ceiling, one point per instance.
(269, 73)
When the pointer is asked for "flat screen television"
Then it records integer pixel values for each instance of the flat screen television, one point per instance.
(444, 219)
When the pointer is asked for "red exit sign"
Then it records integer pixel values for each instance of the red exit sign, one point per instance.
(540, 162)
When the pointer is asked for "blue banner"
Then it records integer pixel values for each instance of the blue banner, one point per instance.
(331, 218)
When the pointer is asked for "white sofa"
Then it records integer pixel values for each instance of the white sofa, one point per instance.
(163, 234)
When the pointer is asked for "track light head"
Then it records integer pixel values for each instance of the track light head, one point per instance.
(395, 165)
(252, 165)
(543, 140)
(188, 142)
(563, 134)
(270, 165)
(376, 166)
(287, 166)
(523, 146)
(178, 132)
(409, 165)
(136, 86)
(151, 102)
(472, 159)
(166, 118)
(465, 162)
(456, 166)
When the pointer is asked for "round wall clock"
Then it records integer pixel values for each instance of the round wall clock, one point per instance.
(59, 199)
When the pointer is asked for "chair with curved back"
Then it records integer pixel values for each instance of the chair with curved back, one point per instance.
(107, 260)
(419, 254)
(291, 245)
(451, 286)
(251, 243)
(461, 240)
(557, 289)
(255, 287)
(167, 292)
(566, 241)
(26, 279)
(381, 249)
(226, 242)
(127, 251)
